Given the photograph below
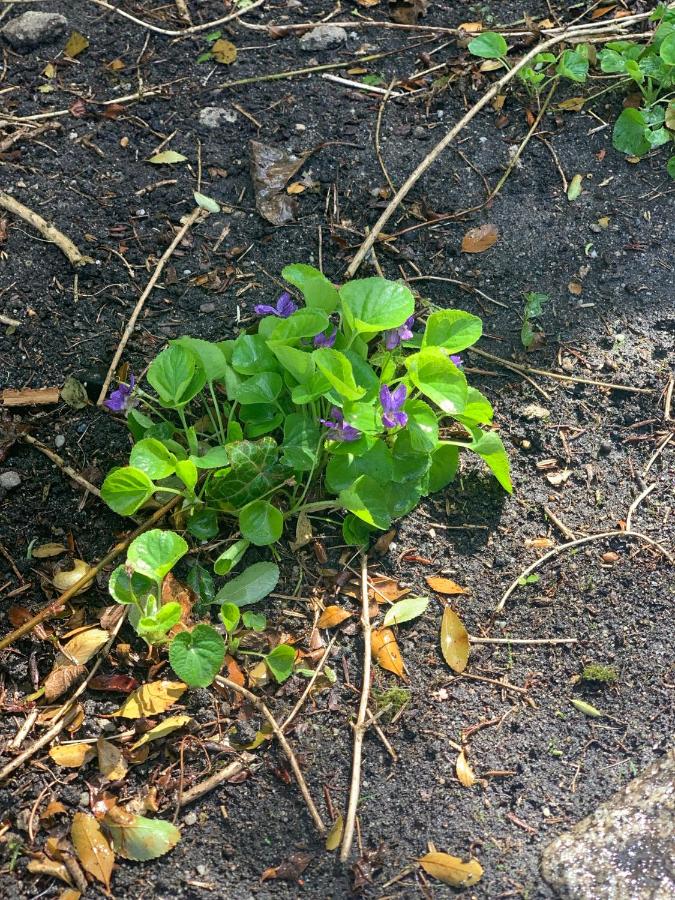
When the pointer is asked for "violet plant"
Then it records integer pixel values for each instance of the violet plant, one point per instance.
(338, 404)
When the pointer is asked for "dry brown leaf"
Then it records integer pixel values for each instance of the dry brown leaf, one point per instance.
(490, 65)
(386, 651)
(53, 808)
(602, 11)
(445, 586)
(407, 12)
(303, 532)
(540, 543)
(385, 590)
(271, 169)
(572, 104)
(451, 869)
(174, 591)
(478, 240)
(43, 865)
(224, 52)
(471, 27)
(558, 478)
(464, 772)
(92, 848)
(111, 762)
(61, 679)
(290, 869)
(367, 3)
(151, 699)
(297, 187)
(70, 894)
(82, 647)
(44, 551)
(234, 672)
(454, 641)
(64, 580)
(574, 287)
(77, 43)
(332, 616)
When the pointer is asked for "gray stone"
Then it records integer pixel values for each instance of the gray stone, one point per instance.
(32, 29)
(9, 480)
(625, 850)
(323, 37)
(190, 818)
(216, 116)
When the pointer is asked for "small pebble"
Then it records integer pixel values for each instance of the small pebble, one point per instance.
(59, 441)
(190, 819)
(84, 798)
(419, 131)
(10, 480)
(202, 870)
(606, 448)
(207, 307)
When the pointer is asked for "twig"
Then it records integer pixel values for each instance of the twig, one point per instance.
(230, 771)
(655, 455)
(378, 127)
(30, 396)
(62, 464)
(360, 726)
(56, 605)
(189, 222)
(6, 320)
(50, 232)
(359, 85)
(634, 505)
(278, 733)
(569, 534)
(372, 723)
(24, 731)
(668, 399)
(516, 156)
(41, 742)
(310, 684)
(180, 32)
(482, 640)
(29, 133)
(433, 154)
(463, 284)
(504, 685)
(577, 543)
(557, 376)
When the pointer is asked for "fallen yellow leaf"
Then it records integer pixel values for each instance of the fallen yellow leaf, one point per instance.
(451, 869)
(386, 651)
(72, 756)
(173, 723)
(332, 616)
(151, 699)
(464, 772)
(92, 848)
(445, 586)
(111, 762)
(454, 641)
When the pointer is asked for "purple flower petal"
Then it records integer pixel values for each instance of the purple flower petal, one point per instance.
(457, 359)
(264, 309)
(338, 429)
(399, 395)
(392, 339)
(285, 305)
(120, 399)
(325, 340)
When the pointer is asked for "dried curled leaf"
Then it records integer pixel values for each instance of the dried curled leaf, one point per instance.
(72, 756)
(92, 847)
(271, 169)
(43, 865)
(164, 729)
(63, 581)
(464, 772)
(61, 680)
(445, 586)
(332, 616)
(224, 52)
(451, 869)
(386, 651)
(151, 699)
(44, 551)
(478, 240)
(82, 647)
(454, 641)
(111, 762)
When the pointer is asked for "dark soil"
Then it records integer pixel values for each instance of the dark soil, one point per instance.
(542, 764)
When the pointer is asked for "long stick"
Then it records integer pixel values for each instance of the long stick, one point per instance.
(56, 605)
(50, 232)
(285, 746)
(585, 540)
(189, 222)
(41, 742)
(172, 32)
(62, 464)
(360, 726)
(433, 155)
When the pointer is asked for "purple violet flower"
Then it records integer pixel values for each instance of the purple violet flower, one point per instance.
(394, 336)
(338, 429)
(325, 340)
(392, 405)
(284, 308)
(120, 400)
(457, 359)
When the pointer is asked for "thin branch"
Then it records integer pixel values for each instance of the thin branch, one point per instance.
(180, 32)
(213, 781)
(41, 742)
(634, 505)
(310, 684)
(560, 525)
(360, 726)
(278, 733)
(655, 455)
(62, 464)
(57, 605)
(635, 535)
(482, 640)
(49, 232)
(180, 234)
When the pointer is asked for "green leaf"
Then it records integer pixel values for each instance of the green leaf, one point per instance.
(138, 423)
(229, 616)
(629, 133)
(262, 388)
(152, 457)
(261, 523)
(573, 65)
(355, 532)
(410, 465)
(337, 370)
(138, 838)
(489, 45)
(375, 304)
(280, 662)
(315, 287)
(167, 157)
(230, 557)
(422, 425)
(670, 168)
(259, 419)
(478, 409)
(210, 356)
(187, 472)
(202, 584)
(303, 323)
(444, 463)
(154, 553)
(125, 490)
(343, 470)
(488, 445)
(405, 610)
(366, 500)
(251, 355)
(254, 471)
(574, 188)
(252, 585)
(255, 621)
(612, 62)
(207, 203)
(176, 375)
(203, 523)
(439, 379)
(129, 588)
(667, 49)
(301, 441)
(298, 362)
(214, 458)
(196, 656)
(452, 329)
(168, 615)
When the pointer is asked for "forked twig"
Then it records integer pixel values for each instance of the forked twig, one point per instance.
(189, 222)
(50, 232)
(62, 464)
(285, 746)
(56, 605)
(180, 32)
(360, 726)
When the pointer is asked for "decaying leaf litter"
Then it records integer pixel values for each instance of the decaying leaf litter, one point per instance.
(476, 540)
